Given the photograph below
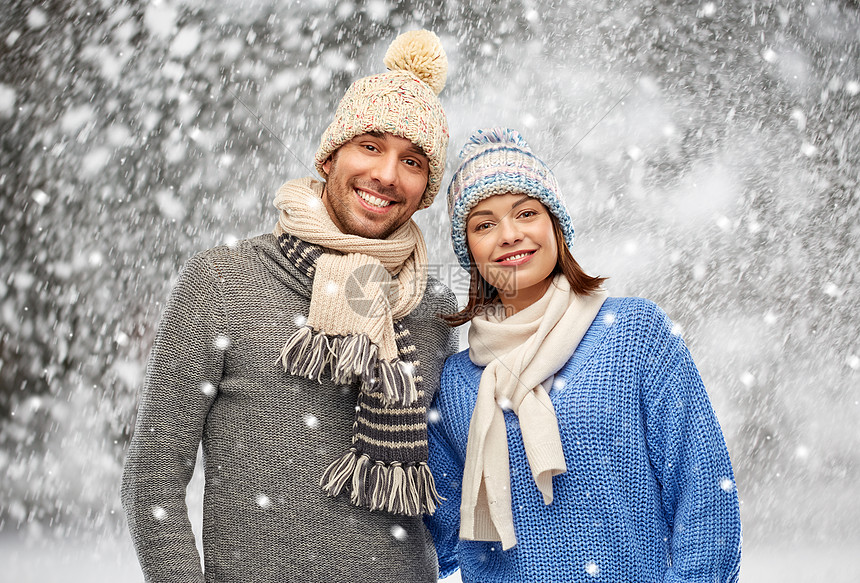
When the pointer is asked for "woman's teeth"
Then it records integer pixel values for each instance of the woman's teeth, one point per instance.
(516, 257)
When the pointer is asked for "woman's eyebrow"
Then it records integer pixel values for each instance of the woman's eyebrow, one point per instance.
(519, 202)
(513, 206)
(476, 213)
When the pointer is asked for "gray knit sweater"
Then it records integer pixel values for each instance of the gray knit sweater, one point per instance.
(267, 437)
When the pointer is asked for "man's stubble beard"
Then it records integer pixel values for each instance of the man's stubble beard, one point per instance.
(336, 196)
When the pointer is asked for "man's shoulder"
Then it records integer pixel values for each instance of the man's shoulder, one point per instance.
(239, 248)
(437, 300)
(235, 252)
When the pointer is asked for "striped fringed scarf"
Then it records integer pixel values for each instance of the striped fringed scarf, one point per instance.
(362, 288)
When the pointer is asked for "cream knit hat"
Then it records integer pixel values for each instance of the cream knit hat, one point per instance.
(402, 102)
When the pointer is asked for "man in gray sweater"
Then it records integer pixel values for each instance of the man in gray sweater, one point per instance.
(304, 361)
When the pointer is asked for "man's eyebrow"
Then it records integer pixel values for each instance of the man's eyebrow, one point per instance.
(415, 149)
(412, 149)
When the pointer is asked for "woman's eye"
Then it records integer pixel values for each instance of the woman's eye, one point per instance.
(527, 214)
(483, 226)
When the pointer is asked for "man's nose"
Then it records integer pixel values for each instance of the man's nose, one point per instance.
(385, 168)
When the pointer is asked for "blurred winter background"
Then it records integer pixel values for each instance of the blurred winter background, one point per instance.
(721, 183)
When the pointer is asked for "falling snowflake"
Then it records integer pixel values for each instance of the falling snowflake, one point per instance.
(300, 320)
(185, 42)
(832, 290)
(207, 388)
(222, 342)
(311, 421)
(7, 100)
(808, 150)
(727, 484)
(159, 513)
(263, 501)
(41, 197)
(592, 569)
(37, 18)
(398, 532)
(433, 415)
(609, 319)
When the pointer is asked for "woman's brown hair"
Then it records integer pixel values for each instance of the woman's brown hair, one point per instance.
(482, 294)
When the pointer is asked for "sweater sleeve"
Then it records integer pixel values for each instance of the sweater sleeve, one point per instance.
(182, 378)
(692, 465)
(447, 468)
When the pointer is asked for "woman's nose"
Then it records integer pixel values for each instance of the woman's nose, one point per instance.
(509, 231)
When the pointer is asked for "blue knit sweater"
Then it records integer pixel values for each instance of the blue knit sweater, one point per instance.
(649, 493)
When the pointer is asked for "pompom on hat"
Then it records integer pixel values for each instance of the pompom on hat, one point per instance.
(402, 101)
(499, 161)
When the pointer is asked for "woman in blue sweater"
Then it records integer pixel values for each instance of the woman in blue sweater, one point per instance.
(574, 440)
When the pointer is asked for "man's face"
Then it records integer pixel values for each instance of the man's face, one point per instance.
(375, 183)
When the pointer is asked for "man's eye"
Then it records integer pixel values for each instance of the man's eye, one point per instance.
(370, 147)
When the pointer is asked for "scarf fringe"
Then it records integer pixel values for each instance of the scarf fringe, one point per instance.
(376, 486)
(396, 488)
(311, 354)
(359, 495)
(339, 472)
(427, 488)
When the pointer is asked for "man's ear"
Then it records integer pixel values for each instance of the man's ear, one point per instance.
(327, 165)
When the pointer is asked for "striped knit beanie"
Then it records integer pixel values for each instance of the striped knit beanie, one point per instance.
(403, 101)
(499, 161)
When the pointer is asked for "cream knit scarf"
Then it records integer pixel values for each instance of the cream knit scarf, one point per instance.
(361, 288)
(520, 353)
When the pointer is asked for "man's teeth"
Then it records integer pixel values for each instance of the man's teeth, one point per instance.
(517, 256)
(370, 199)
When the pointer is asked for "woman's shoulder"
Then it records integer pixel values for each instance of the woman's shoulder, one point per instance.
(635, 314)
(458, 358)
(460, 365)
(460, 379)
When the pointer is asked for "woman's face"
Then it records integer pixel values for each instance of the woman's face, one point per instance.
(513, 245)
